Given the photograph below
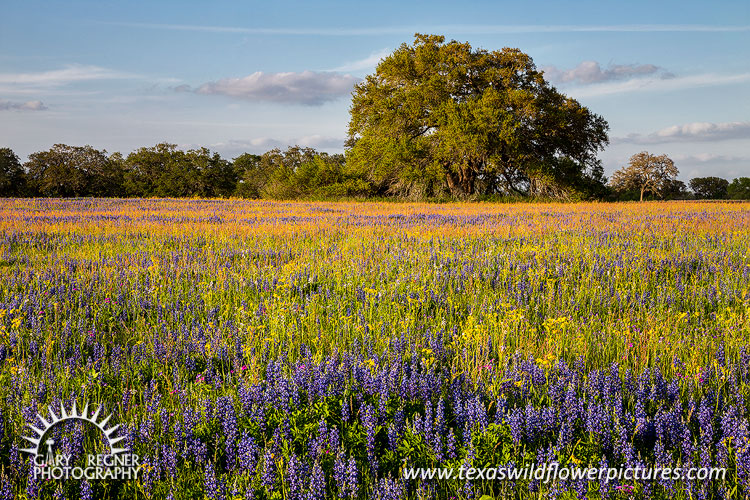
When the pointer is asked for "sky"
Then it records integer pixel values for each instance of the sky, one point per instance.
(670, 77)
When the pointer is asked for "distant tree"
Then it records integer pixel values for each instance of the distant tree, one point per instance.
(440, 116)
(297, 173)
(145, 167)
(709, 188)
(645, 172)
(326, 177)
(66, 171)
(675, 190)
(106, 179)
(739, 189)
(179, 178)
(304, 172)
(282, 168)
(165, 171)
(218, 178)
(12, 175)
(252, 177)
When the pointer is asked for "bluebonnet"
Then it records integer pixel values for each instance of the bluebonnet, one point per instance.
(6, 492)
(247, 452)
(295, 478)
(317, 486)
(451, 445)
(86, 491)
(516, 423)
(369, 420)
(228, 417)
(389, 489)
(268, 469)
(340, 474)
(213, 487)
(352, 478)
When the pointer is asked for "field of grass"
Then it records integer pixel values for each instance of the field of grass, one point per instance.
(314, 350)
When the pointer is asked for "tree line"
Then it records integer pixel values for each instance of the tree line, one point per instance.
(437, 120)
(166, 171)
(297, 173)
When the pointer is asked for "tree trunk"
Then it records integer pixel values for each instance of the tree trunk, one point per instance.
(454, 184)
(467, 179)
(642, 189)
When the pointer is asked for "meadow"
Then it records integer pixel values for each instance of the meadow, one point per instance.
(313, 350)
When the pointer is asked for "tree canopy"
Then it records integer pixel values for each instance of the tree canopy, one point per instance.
(164, 170)
(297, 173)
(709, 188)
(440, 116)
(12, 174)
(65, 171)
(739, 189)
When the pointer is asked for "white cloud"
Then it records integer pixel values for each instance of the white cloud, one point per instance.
(708, 158)
(308, 87)
(692, 132)
(368, 63)
(22, 106)
(60, 77)
(592, 72)
(658, 84)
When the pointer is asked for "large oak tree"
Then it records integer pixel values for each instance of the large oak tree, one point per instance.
(440, 116)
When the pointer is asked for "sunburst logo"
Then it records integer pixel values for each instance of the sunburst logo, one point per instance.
(54, 419)
(118, 464)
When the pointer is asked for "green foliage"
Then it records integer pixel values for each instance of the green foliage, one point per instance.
(218, 178)
(675, 190)
(709, 188)
(303, 173)
(165, 171)
(66, 171)
(251, 177)
(443, 117)
(284, 171)
(739, 189)
(12, 175)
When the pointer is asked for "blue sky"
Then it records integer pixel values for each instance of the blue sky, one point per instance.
(669, 77)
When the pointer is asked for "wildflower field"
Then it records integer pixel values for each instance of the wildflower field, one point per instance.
(314, 350)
